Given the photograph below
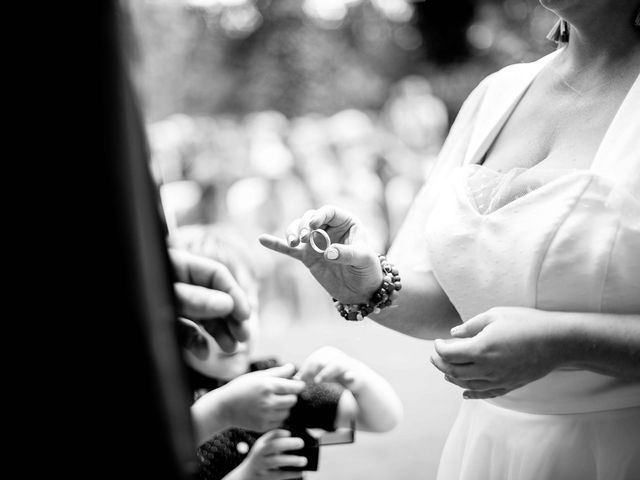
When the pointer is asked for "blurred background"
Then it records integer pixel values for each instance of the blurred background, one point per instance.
(257, 110)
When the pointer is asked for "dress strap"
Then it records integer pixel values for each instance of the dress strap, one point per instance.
(505, 90)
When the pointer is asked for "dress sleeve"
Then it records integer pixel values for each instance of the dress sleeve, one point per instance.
(317, 407)
(409, 247)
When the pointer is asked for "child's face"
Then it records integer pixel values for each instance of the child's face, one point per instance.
(203, 354)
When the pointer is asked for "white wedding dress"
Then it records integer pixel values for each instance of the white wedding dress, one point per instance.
(559, 240)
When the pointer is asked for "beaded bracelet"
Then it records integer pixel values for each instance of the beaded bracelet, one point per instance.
(382, 298)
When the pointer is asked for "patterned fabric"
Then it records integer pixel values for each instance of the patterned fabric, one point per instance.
(224, 452)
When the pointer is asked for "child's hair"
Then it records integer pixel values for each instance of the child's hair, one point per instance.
(222, 244)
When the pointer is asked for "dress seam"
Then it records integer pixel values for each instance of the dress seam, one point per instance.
(552, 237)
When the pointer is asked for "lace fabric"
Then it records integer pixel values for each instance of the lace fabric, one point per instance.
(491, 190)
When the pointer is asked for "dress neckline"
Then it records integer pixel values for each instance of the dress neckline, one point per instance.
(621, 137)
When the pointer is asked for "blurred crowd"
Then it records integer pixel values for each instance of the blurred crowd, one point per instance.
(256, 173)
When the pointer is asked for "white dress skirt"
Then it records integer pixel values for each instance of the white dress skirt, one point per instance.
(558, 240)
(491, 442)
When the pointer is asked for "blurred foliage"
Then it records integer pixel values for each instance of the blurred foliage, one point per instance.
(235, 56)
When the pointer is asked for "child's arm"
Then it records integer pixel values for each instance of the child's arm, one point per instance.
(368, 398)
(257, 401)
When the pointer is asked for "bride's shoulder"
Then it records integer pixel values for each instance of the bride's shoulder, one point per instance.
(518, 71)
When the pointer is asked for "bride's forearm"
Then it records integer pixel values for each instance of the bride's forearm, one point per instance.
(422, 309)
(603, 343)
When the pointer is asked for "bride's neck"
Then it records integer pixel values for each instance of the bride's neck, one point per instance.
(603, 41)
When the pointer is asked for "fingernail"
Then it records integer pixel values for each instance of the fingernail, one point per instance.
(454, 330)
(304, 232)
(303, 461)
(292, 240)
(332, 253)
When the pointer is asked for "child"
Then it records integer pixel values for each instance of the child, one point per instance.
(236, 398)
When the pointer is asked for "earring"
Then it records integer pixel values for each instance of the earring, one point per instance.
(560, 32)
(564, 31)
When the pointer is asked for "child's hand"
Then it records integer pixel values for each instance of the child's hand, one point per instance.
(261, 401)
(368, 398)
(266, 458)
(328, 364)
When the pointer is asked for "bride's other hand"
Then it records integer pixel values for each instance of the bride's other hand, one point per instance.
(498, 351)
(348, 269)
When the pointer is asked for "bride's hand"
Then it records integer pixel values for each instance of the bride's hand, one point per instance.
(348, 269)
(499, 350)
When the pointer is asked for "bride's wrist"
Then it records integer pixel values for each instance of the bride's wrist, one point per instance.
(377, 299)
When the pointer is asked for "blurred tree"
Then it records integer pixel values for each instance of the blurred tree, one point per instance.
(213, 57)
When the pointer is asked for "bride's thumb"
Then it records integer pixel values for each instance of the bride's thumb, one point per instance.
(354, 255)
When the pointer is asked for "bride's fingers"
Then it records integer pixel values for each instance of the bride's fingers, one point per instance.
(303, 228)
(331, 216)
(278, 245)
(474, 394)
(292, 234)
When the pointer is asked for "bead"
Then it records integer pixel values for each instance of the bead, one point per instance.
(398, 285)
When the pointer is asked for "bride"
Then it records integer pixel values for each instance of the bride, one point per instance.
(523, 250)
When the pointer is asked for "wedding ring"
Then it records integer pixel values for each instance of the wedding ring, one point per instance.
(313, 242)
